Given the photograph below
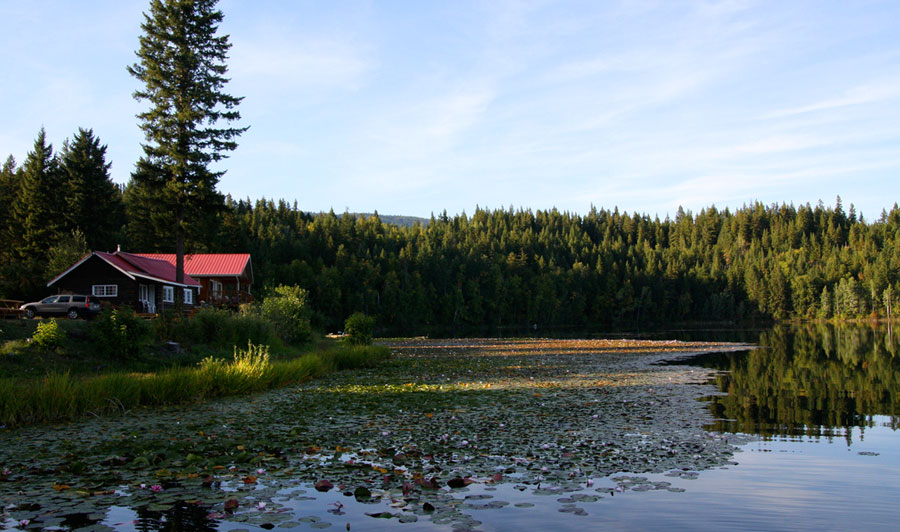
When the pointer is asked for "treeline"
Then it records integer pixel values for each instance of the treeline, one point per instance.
(55, 207)
(508, 269)
(518, 268)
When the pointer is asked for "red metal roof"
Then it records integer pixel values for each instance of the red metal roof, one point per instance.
(145, 266)
(210, 264)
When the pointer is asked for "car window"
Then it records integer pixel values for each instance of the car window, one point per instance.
(63, 299)
(78, 299)
(51, 299)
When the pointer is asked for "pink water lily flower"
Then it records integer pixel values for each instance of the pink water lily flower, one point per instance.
(156, 488)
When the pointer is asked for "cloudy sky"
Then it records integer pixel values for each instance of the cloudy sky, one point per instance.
(415, 107)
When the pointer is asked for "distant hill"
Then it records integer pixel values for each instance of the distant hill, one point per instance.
(402, 221)
(393, 219)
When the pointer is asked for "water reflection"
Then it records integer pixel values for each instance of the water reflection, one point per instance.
(815, 380)
(182, 516)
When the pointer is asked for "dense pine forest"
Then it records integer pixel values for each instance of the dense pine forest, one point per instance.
(504, 269)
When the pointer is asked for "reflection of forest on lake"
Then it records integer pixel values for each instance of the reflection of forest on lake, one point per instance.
(810, 380)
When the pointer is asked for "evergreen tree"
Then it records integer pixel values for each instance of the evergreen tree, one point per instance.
(9, 188)
(68, 250)
(10, 176)
(36, 219)
(39, 212)
(94, 202)
(182, 67)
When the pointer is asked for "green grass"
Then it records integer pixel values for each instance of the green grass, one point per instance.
(60, 396)
(79, 355)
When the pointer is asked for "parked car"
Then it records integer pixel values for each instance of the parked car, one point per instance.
(72, 305)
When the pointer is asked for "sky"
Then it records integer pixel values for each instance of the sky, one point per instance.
(417, 107)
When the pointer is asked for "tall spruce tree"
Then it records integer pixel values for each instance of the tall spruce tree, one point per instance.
(182, 66)
(9, 193)
(10, 175)
(94, 202)
(37, 217)
(39, 212)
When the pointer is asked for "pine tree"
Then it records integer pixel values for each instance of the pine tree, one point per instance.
(39, 213)
(9, 187)
(94, 202)
(182, 66)
(36, 220)
(10, 177)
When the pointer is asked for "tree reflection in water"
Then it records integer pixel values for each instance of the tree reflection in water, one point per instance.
(181, 517)
(814, 380)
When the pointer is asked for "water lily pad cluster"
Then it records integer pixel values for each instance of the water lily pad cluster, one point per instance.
(405, 442)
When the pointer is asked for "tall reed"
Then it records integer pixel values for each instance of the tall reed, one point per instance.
(61, 397)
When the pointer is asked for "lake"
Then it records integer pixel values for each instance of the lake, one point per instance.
(800, 433)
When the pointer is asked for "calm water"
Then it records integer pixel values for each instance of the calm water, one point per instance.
(823, 405)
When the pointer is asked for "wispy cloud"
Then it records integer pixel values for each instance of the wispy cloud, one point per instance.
(859, 95)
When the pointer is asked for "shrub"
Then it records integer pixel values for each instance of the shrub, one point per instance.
(169, 325)
(216, 328)
(47, 334)
(287, 311)
(359, 328)
(120, 332)
(252, 328)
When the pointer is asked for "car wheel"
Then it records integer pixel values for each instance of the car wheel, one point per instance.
(73, 314)
(29, 312)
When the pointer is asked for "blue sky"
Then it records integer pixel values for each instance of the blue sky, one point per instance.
(413, 107)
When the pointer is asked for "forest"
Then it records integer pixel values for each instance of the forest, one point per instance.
(492, 271)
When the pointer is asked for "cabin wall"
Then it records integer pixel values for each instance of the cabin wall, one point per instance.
(96, 271)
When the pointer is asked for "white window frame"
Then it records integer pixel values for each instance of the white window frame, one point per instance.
(188, 296)
(105, 290)
(168, 294)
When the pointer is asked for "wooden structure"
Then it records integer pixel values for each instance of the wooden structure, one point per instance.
(126, 279)
(9, 308)
(225, 278)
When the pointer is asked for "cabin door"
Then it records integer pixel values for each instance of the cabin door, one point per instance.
(147, 296)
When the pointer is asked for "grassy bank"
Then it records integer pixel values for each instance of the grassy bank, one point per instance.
(60, 397)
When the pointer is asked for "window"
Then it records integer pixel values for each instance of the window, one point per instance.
(105, 290)
(168, 294)
(48, 300)
(215, 288)
(188, 296)
(78, 299)
(63, 299)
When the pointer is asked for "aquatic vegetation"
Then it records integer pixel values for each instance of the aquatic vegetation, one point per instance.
(439, 421)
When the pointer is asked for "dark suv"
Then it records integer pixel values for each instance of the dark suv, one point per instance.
(72, 305)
